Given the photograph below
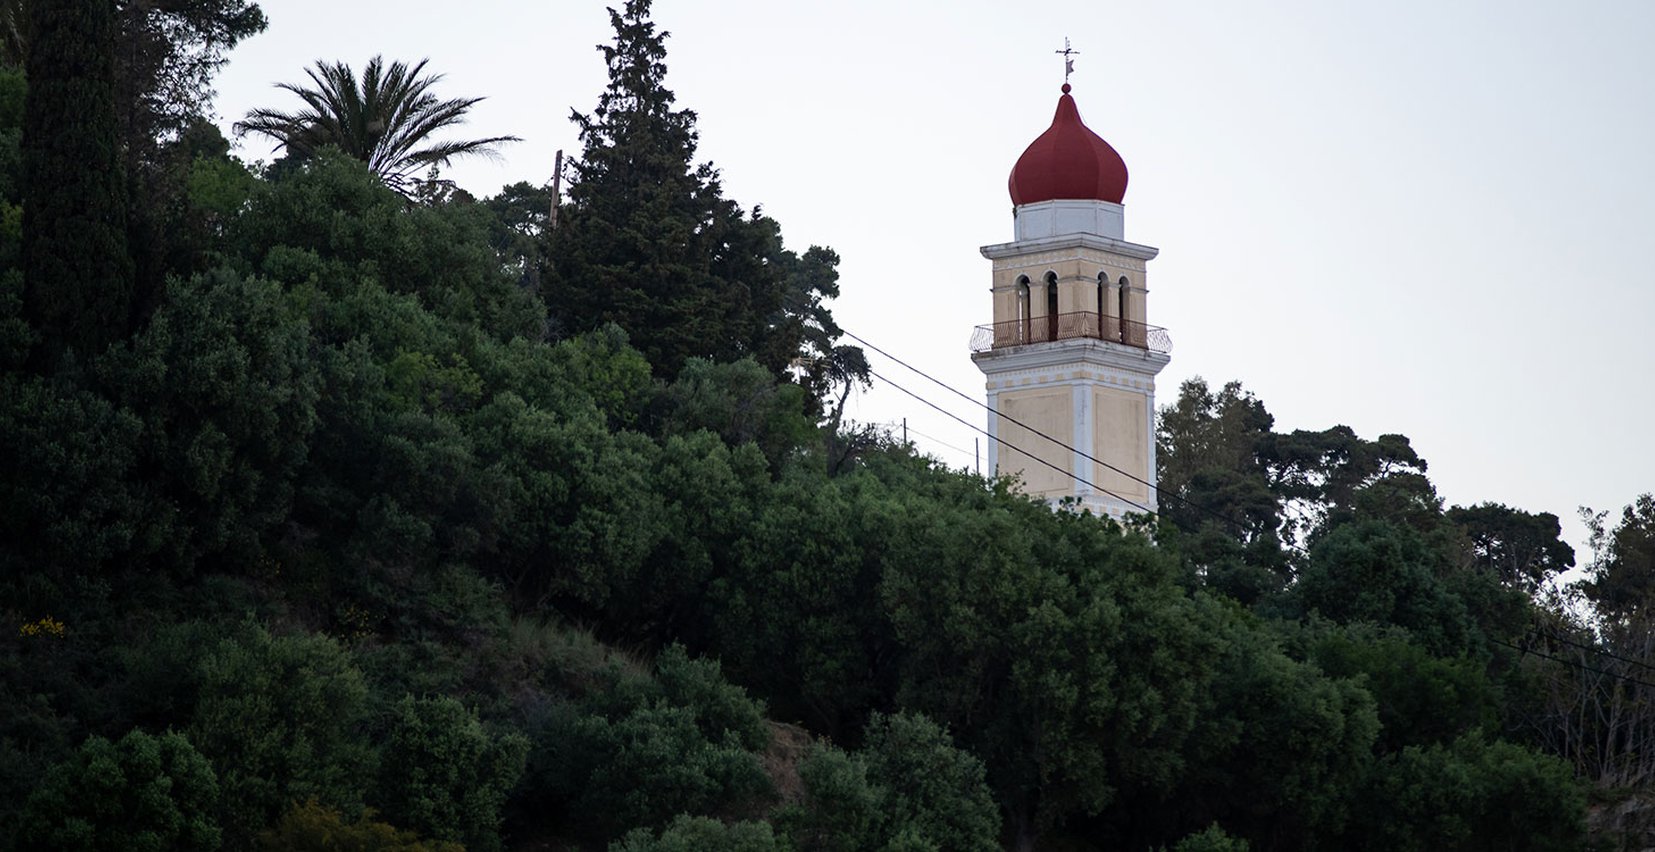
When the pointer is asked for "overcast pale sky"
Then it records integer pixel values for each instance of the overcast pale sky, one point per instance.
(1423, 217)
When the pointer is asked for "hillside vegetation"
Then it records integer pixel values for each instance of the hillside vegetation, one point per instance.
(344, 516)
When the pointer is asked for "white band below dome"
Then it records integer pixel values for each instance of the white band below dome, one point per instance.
(1069, 216)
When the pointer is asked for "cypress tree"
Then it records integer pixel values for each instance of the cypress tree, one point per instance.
(648, 241)
(77, 273)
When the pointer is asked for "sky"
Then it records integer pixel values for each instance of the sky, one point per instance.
(1425, 217)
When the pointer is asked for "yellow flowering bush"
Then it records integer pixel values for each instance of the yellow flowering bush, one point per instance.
(43, 626)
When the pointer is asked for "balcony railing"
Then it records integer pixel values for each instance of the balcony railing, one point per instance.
(1080, 324)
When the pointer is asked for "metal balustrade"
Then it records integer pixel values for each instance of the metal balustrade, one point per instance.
(1080, 324)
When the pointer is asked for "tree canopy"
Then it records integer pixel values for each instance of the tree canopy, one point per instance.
(386, 121)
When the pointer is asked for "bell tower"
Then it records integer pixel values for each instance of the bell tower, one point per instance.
(1070, 352)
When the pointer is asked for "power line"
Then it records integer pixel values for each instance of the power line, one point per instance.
(900, 424)
(1596, 650)
(1574, 664)
(1032, 456)
(1234, 525)
(974, 401)
(938, 441)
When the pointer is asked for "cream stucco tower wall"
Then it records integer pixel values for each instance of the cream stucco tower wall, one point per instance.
(1070, 353)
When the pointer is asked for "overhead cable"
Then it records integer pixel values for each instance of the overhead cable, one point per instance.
(1002, 442)
(1235, 525)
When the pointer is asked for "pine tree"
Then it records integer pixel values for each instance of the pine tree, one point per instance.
(648, 241)
(77, 273)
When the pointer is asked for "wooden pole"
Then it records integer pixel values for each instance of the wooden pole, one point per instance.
(557, 191)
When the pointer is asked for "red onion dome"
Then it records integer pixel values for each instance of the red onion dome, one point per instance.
(1068, 161)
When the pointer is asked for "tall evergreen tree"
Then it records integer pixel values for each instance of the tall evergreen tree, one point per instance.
(648, 241)
(77, 273)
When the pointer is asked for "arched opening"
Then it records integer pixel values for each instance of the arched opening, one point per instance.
(1051, 306)
(1128, 327)
(1100, 323)
(1020, 332)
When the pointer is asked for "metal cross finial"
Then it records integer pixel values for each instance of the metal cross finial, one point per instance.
(1068, 55)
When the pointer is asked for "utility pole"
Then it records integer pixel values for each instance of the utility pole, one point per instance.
(557, 191)
(905, 431)
(977, 454)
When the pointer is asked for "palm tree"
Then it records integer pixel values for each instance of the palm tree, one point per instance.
(385, 122)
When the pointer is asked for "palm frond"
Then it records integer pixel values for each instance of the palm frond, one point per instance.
(386, 120)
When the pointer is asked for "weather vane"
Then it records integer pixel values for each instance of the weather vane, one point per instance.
(1068, 55)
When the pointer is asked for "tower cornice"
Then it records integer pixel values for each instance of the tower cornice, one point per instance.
(1061, 353)
(1065, 241)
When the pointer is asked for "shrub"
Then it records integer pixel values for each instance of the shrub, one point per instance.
(142, 793)
(278, 717)
(694, 834)
(313, 827)
(909, 788)
(442, 775)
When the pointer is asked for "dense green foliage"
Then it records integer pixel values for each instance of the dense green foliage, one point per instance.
(279, 716)
(77, 272)
(908, 787)
(1211, 839)
(445, 777)
(332, 548)
(143, 792)
(311, 827)
(1469, 794)
(692, 834)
